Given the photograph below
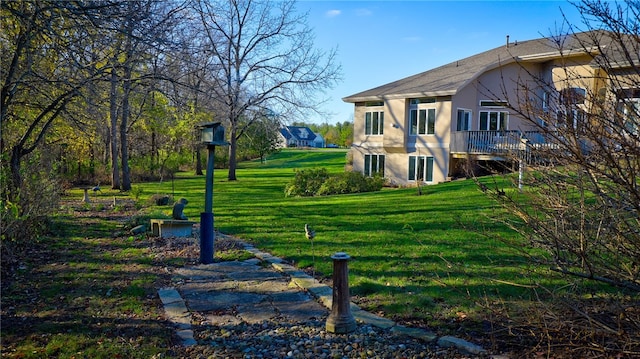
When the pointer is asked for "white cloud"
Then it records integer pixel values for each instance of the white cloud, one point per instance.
(333, 13)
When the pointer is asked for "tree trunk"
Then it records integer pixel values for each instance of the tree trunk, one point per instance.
(113, 108)
(198, 162)
(124, 150)
(154, 151)
(126, 92)
(232, 155)
(16, 176)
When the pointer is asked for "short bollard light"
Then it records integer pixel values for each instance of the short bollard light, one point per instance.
(340, 319)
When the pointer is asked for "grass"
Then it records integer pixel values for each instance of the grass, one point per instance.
(83, 293)
(438, 260)
(427, 257)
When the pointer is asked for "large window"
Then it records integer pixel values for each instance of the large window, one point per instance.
(373, 123)
(494, 120)
(421, 168)
(463, 122)
(423, 121)
(573, 117)
(571, 111)
(629, 109)
(572, 96)
(373, 164)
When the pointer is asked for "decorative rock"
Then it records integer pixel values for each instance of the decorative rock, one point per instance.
(461, 344)
(138, 229)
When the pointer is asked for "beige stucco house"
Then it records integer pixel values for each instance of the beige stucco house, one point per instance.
(421, 129)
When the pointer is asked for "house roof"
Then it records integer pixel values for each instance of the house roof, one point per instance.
(446, 80)
(298, 133)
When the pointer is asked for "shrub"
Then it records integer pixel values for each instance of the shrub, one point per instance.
(24, 217)
(317, 182)
(350, 182)
(306, 182)
(159, 200)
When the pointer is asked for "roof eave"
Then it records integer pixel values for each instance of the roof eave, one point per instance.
(354, 99)
(593, 50)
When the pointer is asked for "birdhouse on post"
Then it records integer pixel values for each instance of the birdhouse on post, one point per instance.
(212, 135)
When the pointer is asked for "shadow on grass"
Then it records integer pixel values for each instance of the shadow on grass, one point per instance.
(83, 292)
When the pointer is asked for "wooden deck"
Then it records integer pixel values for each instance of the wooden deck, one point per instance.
(495, 144)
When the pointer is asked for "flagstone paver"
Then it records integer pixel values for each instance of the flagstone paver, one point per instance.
(230, 293)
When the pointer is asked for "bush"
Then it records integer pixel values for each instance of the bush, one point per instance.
(24, 217)
(350, 182)
(317, 182)
(306, 182)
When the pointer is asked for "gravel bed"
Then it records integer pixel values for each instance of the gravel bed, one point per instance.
(308, 340)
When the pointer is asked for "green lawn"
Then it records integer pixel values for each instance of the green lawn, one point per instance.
(431, 256)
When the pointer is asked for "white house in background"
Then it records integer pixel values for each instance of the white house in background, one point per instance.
(318, 142)
(298, 136)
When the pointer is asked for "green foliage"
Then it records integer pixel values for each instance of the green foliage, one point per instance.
(318, 182)
(24, 217)
(261, 138)
(144, 219)
(233, 255)
(306, 182)
(137, 192)
(340, 134)
(350, 182)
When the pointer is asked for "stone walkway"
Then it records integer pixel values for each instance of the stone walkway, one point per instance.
(265, 288)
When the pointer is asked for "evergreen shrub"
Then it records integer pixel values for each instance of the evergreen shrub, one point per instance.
(318, 182)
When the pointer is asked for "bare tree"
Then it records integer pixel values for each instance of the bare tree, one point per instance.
(265, 58)
(582, 193)
(578, 203)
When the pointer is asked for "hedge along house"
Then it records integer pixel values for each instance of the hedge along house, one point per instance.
(424, 128)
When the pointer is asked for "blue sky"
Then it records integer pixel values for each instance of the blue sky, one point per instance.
(383, 41)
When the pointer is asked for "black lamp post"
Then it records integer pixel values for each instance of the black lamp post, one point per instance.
(212, 135)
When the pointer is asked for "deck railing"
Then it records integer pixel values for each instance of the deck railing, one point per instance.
(496, 142)
(487, 142)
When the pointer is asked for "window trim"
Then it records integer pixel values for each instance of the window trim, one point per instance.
(499, 123)
(417, 164)
(422, 100)
(429, 121)
(571, 100)
(494, 103)
(546, 101)
(369, 124)
(374, 104)
(468, 119)
(629, 107)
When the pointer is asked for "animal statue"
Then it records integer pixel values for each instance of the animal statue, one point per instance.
(178, 209)
(308, 232)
